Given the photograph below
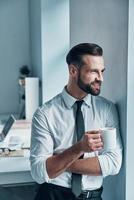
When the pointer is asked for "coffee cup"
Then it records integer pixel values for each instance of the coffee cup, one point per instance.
(109, 138)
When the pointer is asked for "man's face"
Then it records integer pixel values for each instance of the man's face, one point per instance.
(90, 74)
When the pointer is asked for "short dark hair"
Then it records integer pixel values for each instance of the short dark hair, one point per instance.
(77, 52)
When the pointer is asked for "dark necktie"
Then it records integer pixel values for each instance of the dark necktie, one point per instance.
(79, 129)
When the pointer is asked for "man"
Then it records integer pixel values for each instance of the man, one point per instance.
(67, 155)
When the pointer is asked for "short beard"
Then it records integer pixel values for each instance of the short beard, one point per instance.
(88, 88)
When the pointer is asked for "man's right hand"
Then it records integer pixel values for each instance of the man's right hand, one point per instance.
(92, 141)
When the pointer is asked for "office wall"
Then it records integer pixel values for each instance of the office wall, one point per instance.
(35, 40)
(130, 105)
(105, 22)
(14, 50)
(55, 44)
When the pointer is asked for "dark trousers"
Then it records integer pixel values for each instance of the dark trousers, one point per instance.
(53, 192)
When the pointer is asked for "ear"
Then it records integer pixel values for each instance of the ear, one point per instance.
(73, 71)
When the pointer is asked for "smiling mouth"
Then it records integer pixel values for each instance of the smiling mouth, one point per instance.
(96, 86)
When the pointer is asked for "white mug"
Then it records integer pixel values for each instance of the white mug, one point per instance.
(109, 138)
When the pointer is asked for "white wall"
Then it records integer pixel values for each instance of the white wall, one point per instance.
(49, 33)
(14, 50)
(105, 23)
(130, 105)
(35, 41)
(55, 45)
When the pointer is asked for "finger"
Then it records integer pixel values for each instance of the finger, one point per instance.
(98, 145)
(93, 132)
(99, 148)
(97, 140)
(94, 136)
(94, 141)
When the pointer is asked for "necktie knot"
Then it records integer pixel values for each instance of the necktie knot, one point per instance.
(79, 104)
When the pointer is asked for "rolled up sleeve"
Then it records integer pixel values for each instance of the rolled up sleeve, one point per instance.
(110, 161)
(41, 147)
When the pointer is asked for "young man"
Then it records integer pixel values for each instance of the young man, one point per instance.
(67, 155)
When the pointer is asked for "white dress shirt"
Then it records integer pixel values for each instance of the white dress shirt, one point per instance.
(53, 127)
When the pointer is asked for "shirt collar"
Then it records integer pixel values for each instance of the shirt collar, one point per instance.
(87, 100)
(70, 100)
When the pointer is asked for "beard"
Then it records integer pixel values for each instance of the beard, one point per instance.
(89, 88)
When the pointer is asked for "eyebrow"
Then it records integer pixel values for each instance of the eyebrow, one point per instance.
(98, 70)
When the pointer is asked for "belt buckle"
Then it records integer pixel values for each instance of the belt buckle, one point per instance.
(89, 194)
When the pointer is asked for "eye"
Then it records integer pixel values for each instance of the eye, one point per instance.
(94, 71)
(88, 71)
(103, 70)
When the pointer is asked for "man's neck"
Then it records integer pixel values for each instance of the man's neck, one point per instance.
(75, 92)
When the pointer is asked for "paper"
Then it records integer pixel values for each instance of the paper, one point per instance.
(17, 153)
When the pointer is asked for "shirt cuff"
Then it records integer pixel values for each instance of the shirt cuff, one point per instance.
(39, 171)
(104, 165)
(46, 177)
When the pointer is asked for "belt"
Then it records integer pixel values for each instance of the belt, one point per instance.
(91, 193)
(87, 194)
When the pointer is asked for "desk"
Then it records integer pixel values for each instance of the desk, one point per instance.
(16, 170)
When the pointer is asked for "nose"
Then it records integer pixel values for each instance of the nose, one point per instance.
(100, 77)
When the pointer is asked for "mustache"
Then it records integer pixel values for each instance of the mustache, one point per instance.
(98, 82)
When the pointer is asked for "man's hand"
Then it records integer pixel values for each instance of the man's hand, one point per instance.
(91, 141)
